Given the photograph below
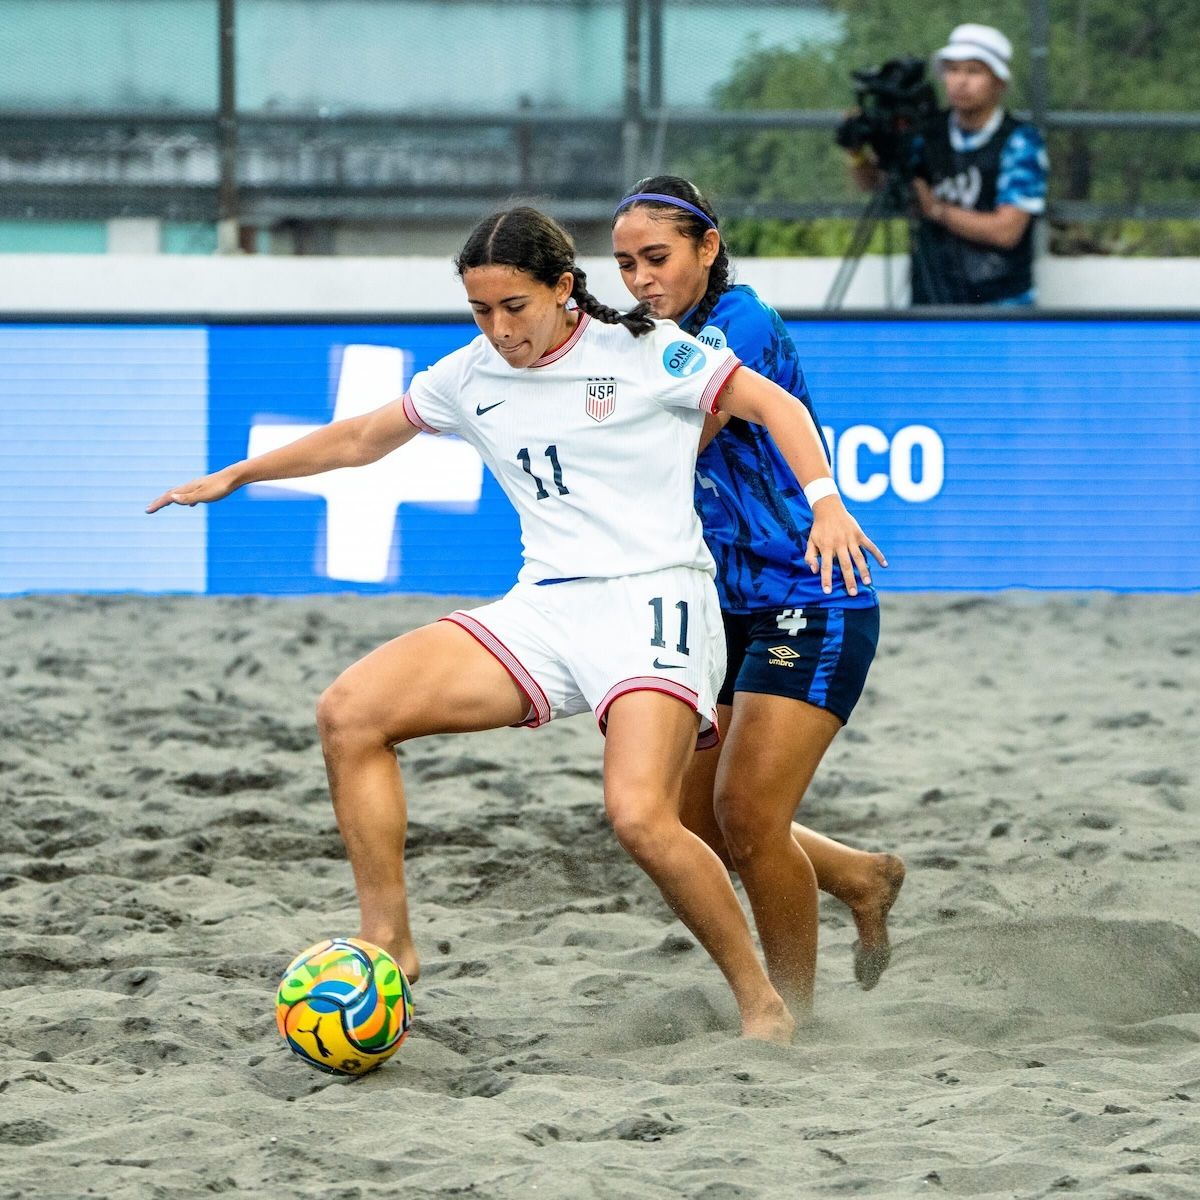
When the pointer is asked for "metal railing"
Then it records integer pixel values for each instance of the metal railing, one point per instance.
(256, 168)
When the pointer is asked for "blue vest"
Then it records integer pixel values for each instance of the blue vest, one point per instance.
(951, 270)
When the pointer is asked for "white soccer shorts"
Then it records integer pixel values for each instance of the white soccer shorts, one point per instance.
(580, 644)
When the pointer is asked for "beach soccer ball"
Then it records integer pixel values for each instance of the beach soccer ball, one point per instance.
(344, 1006)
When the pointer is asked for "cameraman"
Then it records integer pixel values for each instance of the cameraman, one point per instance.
(978, 182)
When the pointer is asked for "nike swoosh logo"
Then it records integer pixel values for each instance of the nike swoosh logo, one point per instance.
(480, 411)
(667, 666)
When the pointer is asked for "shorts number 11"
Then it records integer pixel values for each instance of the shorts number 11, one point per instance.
(657, 639)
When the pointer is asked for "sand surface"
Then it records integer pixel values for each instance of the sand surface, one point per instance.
(167, 846)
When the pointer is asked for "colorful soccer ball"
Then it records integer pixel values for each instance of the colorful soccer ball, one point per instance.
(344, 1006)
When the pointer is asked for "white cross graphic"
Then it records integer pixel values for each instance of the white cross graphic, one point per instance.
(791, 621)
(361, 502)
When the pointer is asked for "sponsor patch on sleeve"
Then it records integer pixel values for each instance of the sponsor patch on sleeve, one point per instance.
(682, 359)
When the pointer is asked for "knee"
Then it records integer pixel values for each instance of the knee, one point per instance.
(332, 713)
(342, 721)
(638, 832)
(745, 833)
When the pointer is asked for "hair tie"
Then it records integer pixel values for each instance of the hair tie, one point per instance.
(664, 199)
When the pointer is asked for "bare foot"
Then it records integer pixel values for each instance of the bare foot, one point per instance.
(410, 965)
(872, 951)
(402, 951)
(773, 1023)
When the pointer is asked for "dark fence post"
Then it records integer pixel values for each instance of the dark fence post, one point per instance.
(1039, 92)
(654, 55)
(1039, 61)
(228, 231)
(631, 128)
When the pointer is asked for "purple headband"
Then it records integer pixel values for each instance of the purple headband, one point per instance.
(675, 200)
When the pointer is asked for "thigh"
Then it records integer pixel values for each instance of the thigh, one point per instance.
(436, 679)
(771, 752)
(650, 741)
(698, 787)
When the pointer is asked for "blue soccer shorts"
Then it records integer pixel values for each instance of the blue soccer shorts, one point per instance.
(818, 654)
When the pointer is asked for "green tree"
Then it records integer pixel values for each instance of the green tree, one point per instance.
(1118, 55)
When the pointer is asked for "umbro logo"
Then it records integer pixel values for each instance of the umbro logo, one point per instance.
(661, 666)
(479, 411)
(781, 656)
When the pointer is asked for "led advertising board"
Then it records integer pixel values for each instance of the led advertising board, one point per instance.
(979, 454)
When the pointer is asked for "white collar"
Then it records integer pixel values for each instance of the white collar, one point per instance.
(965, 140)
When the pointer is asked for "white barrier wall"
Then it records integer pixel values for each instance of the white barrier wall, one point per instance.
(148, 284)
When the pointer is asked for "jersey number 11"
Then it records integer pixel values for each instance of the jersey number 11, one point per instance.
(551, 453)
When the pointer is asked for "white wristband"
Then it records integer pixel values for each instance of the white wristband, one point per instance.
(819, 489)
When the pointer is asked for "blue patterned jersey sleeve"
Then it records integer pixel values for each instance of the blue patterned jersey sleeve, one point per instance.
(759, 338)
(1024, 167)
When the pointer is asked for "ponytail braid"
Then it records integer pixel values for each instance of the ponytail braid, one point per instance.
(638, 320)
(718, 285)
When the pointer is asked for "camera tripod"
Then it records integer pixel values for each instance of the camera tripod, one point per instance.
(893, 200)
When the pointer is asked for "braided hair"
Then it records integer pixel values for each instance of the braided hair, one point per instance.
(527, 240)
(691, 226)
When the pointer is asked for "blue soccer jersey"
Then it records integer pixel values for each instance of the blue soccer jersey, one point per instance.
(756, 520)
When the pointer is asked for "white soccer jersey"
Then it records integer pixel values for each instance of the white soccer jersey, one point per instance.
(594, 444)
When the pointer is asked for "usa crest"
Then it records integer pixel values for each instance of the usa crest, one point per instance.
(600, 398)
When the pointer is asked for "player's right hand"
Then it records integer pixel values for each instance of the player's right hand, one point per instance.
(204, 490)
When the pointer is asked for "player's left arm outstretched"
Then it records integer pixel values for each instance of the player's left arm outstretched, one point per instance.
(835, 534)
(353, 442)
